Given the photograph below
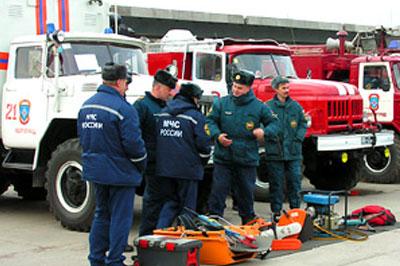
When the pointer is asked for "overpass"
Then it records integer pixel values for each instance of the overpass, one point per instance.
(154, 23)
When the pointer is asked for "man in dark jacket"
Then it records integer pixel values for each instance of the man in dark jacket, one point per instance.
(237, 122)
(113, 157)
(147, 107)
(284, 153)
(183, 148)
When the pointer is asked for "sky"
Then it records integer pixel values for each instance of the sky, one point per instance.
(361, 12)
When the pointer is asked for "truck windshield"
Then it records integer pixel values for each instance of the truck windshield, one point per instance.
(266, 65)
(78, 58)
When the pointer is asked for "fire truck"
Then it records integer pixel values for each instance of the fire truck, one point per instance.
(336, 138)
(371, 62)
(50, 63)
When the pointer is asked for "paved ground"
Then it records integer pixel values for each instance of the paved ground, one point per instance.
(31, 236)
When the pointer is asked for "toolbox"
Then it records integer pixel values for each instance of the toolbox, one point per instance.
(156, 250)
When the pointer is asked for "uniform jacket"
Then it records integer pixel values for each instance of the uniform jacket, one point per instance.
(182, 142)
(147, 107)
(292, 129)
(113, 149)
(237, 117)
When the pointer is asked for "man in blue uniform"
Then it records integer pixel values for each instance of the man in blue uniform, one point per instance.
(183, 148)
(284, 153)
(147, 107)
(113, 157)
(237, 122)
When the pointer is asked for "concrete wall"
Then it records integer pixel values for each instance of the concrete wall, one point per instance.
(154, 23)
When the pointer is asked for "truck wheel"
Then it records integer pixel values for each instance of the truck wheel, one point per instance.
(70, 198)
(378, 168)
(333, 176)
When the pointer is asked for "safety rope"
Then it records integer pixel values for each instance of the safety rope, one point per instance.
(348, 234)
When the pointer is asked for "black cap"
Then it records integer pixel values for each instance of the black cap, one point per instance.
(190, 90)
(278, 80)
(243, 77)
(113, 72)
(165, 78)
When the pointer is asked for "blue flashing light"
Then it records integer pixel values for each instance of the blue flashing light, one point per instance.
(51, 28)
(108, 31)
(394, 44)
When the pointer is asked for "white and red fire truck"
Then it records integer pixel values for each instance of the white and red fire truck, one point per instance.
(370, 62)
(336, 138)
(45, 77)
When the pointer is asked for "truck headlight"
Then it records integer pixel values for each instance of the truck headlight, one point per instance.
(365, 118)
(308, 118)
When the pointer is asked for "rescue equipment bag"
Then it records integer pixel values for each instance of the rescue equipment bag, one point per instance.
(375, 215)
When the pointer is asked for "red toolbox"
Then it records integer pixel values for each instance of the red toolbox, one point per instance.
(156, 250)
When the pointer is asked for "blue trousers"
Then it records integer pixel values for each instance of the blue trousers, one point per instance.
(243, 181)
(180, 193)
(153, 199)
(277, 171)
(111, 224)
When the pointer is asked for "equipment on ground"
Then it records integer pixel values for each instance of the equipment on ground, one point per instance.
(328, 223)
(223, 243)
(156, 250)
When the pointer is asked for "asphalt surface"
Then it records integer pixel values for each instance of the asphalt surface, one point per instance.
(31, 236)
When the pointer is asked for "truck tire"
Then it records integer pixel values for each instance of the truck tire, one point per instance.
(376, 168)
(71, 199)
(330, 175)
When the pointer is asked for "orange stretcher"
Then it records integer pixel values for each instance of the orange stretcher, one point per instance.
(216, 249)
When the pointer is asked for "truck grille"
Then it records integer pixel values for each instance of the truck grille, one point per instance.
(357, 107)
(344, 112)
(338, 109)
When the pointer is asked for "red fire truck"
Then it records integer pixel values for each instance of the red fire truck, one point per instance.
(371, 62)
(336, 138)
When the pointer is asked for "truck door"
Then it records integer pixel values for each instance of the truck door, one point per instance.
(24, 98)
(209, 72)
(396, 77)
(376, 88)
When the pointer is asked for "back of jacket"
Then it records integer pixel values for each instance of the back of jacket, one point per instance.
(147, 107)
(182, 143)
(113, 149)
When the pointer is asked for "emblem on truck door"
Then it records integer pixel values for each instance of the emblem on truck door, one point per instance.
(374, 102)
(24, 109)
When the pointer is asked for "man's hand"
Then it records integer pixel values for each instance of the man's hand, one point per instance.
(259, 134)
(223, 139)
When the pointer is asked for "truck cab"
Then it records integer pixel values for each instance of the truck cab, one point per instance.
(46, 72)
(371, 62)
